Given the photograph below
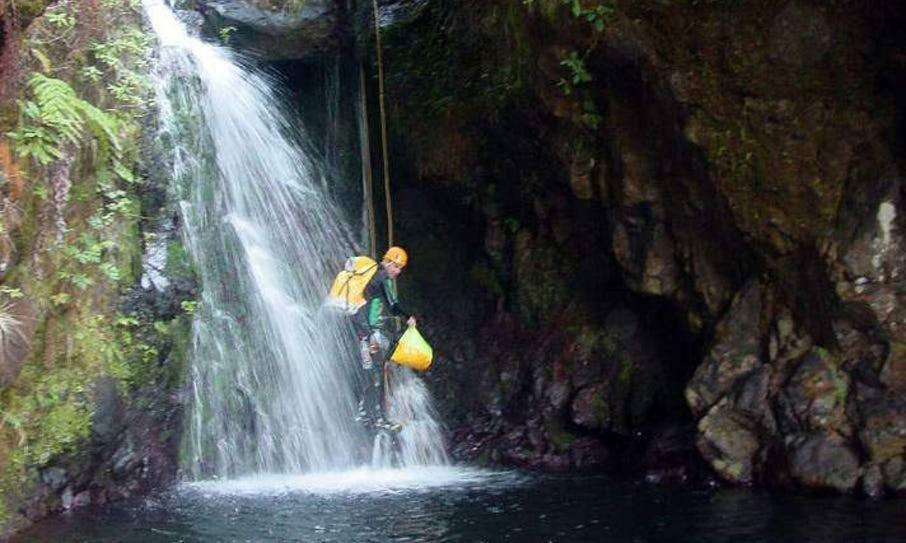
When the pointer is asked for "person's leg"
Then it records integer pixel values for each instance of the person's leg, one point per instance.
(375, 394)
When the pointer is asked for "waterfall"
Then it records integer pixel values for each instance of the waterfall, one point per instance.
(273, 379)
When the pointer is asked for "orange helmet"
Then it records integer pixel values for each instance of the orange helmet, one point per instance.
(397, 255)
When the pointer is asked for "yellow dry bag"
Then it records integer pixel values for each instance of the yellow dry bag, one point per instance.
(348, 290)
(413, 351)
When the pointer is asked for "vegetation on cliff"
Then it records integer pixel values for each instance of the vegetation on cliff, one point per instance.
(76, 209)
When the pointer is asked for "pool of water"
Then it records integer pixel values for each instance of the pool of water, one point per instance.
(456, 504)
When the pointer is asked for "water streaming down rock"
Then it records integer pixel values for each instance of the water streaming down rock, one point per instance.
(273, 378)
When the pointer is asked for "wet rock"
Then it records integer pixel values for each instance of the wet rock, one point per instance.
(883, 427)
(540, 271)
(642, 244)
(893, 373)
(554, 463)
(588, 453)
(894, 471)
(124, 459)
(752, 399)
(727, 441)
(192, 19)
(590, 409)
(800, 35)
(873, 482)
(66, 498)
(814, 397)
(669, 454)
(276, 30)
(736, 351)
(390, 13)
(823, 461)
(580, 177)
(54, 478)
(871, 270)
(81, 499)
(105, 421)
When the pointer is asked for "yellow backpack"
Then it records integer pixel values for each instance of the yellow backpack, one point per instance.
(348, 291)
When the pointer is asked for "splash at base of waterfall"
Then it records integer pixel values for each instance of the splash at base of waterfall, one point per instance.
(358, 481)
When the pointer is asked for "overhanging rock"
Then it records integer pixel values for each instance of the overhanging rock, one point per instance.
(275, 29)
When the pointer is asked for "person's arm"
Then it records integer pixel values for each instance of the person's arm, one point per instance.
(393, 300)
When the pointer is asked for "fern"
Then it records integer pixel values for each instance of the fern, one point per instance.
(10, 326)
(57, 116)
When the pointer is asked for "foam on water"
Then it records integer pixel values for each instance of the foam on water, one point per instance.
(358, 481)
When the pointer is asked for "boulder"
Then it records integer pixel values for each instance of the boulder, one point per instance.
(736, 351)
(823, 461)
(884, 428)
(814, 397)
(894, 471)
(728, 442)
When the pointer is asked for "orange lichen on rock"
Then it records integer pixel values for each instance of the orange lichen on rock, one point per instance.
(10, 172)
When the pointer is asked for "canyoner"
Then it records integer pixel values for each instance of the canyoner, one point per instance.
(366, 291)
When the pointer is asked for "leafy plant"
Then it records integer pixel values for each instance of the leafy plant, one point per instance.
(578, 73)
(60, 298)
(57, 116)
(189, 306)
(10, 324)
(61, 19)
(574, 63)
(595, 15)
(226, 33)
(14, 293)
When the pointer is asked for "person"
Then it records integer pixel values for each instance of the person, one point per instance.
(377, 321)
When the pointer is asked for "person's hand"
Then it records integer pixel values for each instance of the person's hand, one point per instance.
(410, 322)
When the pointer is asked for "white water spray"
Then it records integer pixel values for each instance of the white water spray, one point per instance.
(273, 377)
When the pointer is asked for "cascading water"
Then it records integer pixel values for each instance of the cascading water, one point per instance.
(273, 377)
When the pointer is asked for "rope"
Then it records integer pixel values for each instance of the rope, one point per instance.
(366, 162)
(385, 155)
(384, 151)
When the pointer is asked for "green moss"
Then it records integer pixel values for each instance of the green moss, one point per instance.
(626, 373)
(836, 374)
(559, 436)
(434, 72)
(601, 409)
(29, 9)
(179, 264)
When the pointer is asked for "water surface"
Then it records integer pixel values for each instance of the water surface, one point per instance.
(454, 504)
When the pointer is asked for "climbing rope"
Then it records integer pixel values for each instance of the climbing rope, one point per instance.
(366, 163)
(385, 155)
(384, 151)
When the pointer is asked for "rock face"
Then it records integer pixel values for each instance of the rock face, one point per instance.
(275, 29)
(665, 202)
